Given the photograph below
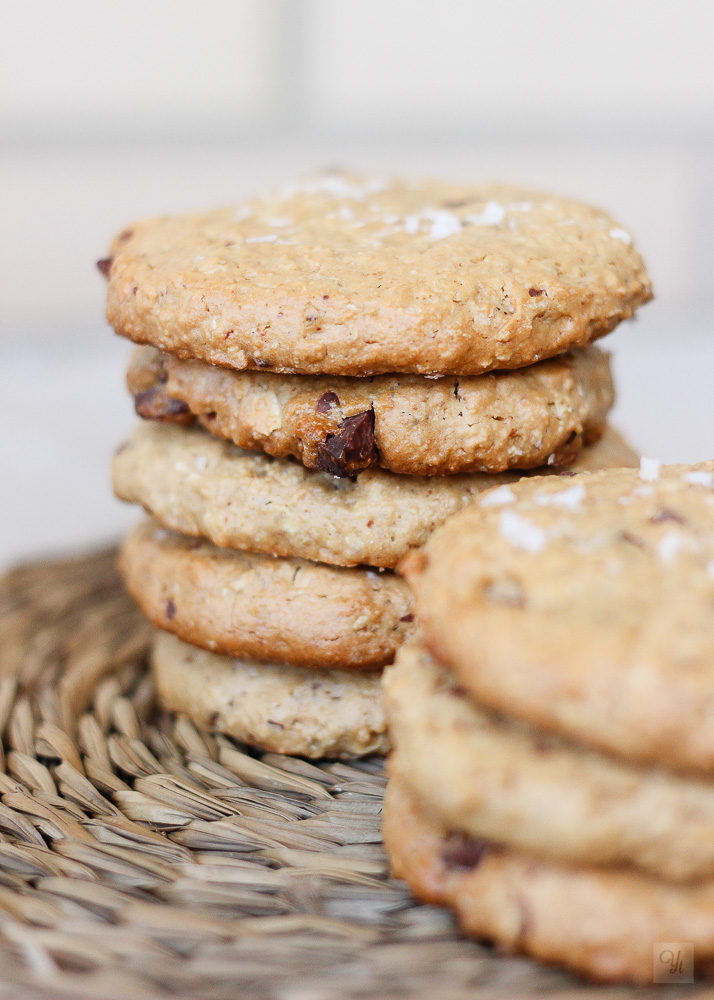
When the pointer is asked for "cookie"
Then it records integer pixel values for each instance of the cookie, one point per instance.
(268, 608)
(405, 423)
(602, 923)
(146, 378)
(488, 777)
(584, 607)
(195, 483)
(344, 275)
(272, 706)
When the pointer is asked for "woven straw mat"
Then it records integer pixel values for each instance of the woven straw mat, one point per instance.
(141, 858)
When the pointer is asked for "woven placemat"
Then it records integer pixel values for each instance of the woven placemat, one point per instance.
(141, 858)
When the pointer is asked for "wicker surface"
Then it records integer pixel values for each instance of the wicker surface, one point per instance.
(140, 858)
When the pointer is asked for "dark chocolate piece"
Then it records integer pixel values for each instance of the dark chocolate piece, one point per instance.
(665, 514)
(155, 404)
(351, 449)
(461, 851)
(326, 401)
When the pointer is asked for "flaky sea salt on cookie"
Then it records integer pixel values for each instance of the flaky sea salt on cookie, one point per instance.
(355, 276)
(584, 606)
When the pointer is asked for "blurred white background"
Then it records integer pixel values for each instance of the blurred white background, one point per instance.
(113, 111)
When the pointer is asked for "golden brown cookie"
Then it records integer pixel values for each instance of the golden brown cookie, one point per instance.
(490, 777)
(265, 608)
(602, 923)
(272, 706)
(409, 424)
(352, 276)
(584, 606)
(197, 484)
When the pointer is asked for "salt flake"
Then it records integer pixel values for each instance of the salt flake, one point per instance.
(649, 469)
(269, 238)
(492, 215)
(669, 545)
(622, 235)
(499, 497)
(522, 534)
(569, 499)
(443, 224)
(699, 478)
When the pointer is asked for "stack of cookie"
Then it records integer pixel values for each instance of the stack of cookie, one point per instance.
(552, 779)
(319, 394)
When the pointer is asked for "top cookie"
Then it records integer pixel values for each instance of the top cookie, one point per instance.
(584, 607)
(354, 276)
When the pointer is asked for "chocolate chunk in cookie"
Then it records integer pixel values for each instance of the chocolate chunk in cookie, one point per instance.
(351, 449)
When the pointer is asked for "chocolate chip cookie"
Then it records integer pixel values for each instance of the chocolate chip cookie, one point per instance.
(347, 275)
(584, 606)
(602, 923)
(195, 483)
(539, 415)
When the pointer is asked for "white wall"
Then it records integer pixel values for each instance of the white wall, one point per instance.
(89, 68)
(113, 110)
(147, 67)
(515, 64)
